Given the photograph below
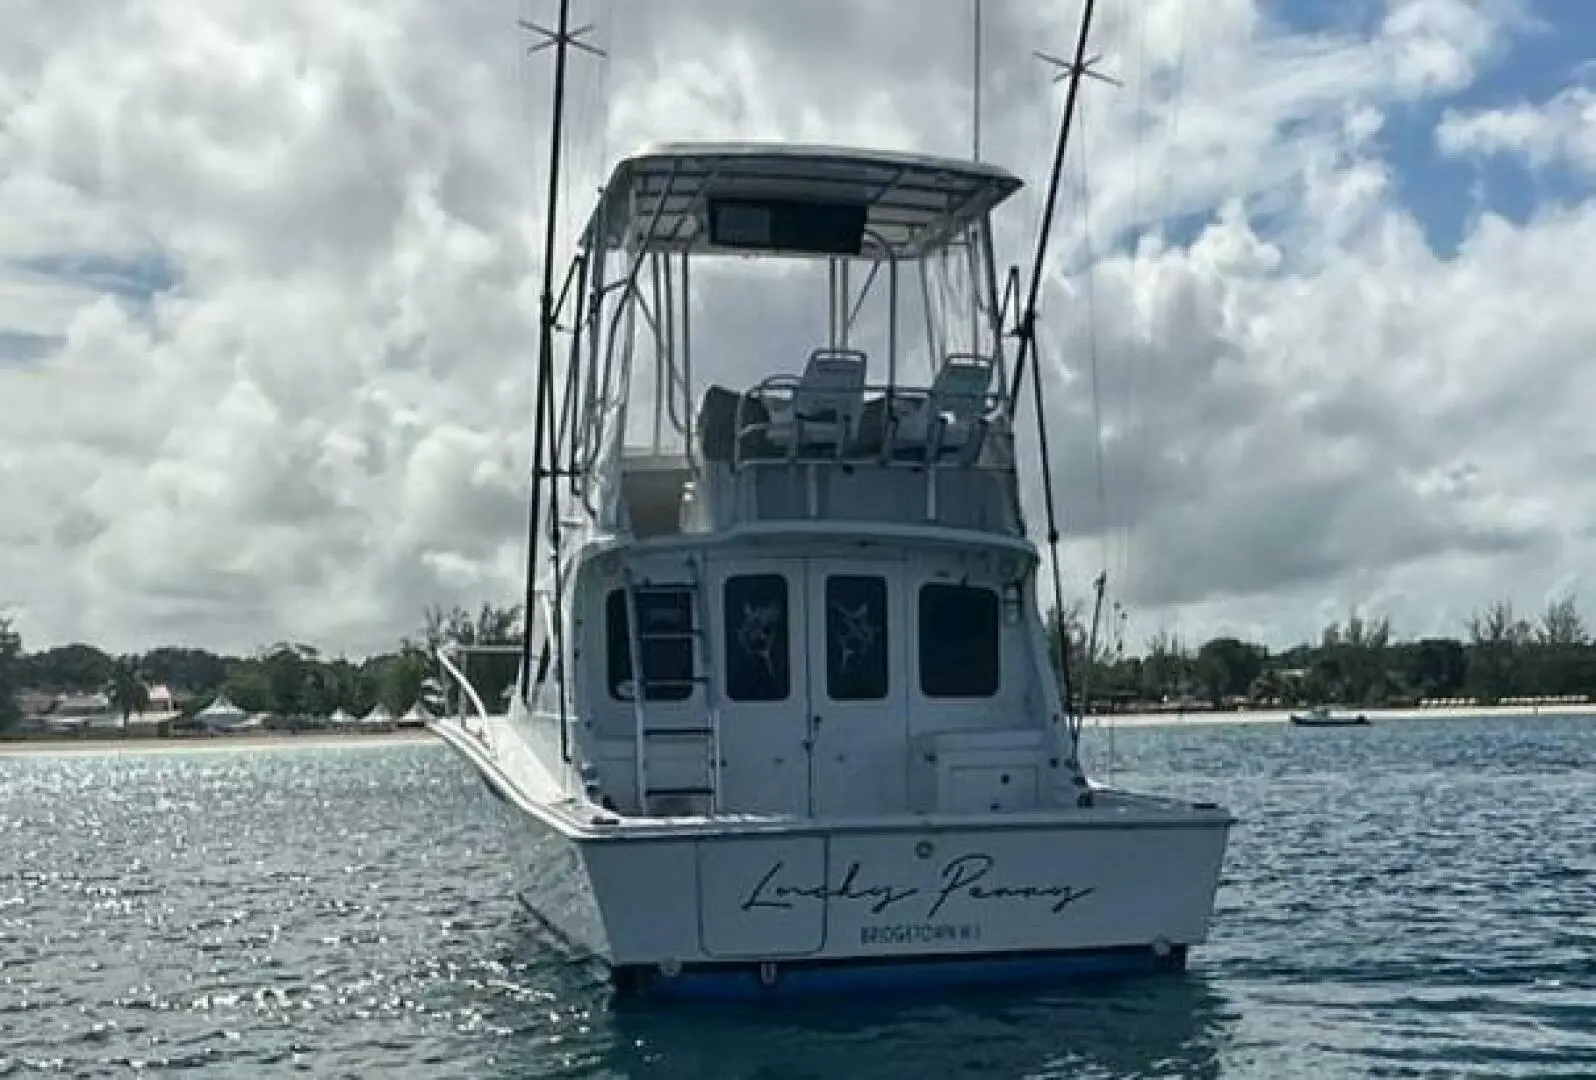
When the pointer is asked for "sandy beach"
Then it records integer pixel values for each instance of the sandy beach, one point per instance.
(321, 740)
(213, 743)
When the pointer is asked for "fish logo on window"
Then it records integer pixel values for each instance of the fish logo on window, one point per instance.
(757, 633)
(857, 633)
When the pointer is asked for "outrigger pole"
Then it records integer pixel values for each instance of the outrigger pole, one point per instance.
(1026, 331)
(562, 38)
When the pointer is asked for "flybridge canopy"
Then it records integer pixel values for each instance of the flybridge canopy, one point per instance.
(787, 199)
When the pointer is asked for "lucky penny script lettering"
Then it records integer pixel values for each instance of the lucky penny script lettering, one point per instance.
(968, 877)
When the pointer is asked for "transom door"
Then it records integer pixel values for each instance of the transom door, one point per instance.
(858, 666)
(814, 709)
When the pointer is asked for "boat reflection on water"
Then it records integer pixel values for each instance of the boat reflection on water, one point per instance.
(1170, 1027)
(1115, 1027)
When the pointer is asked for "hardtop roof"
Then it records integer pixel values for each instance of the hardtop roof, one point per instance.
(913, 204)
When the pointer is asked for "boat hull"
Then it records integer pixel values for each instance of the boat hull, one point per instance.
(737, 907)
(1351, 721)
(865, 910)
(558, 895)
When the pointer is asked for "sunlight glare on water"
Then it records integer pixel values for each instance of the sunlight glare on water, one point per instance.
(1409, 900)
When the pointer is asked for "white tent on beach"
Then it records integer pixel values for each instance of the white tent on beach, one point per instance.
(417, 716)
(223, 715)
(378, 717)
(340, 718)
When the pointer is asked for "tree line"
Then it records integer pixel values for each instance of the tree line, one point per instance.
(1359, 661)
(285, 678)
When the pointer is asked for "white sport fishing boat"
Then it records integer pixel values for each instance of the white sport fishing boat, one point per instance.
(787, 718)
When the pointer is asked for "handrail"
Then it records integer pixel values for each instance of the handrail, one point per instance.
(446, 661)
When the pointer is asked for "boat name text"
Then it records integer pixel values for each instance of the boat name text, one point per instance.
(967, 877)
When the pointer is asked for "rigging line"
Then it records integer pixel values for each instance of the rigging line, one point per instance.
(1159, 194)
(564, 225)
(1091, 345)
(1089, 660)
(1098, 456)
(608, 22)
(1172, 126)
(1130, 383)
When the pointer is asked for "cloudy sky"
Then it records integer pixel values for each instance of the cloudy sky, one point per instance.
(268, 276)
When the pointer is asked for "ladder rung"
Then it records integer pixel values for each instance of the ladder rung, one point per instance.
(698, 738)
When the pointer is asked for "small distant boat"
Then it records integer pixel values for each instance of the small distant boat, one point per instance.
(1320, 716)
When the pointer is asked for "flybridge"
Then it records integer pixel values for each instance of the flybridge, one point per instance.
(786, 199)
(903, 369)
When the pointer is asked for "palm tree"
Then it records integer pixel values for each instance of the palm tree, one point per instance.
(128, 691)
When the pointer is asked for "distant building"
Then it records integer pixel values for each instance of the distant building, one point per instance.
(78, 706)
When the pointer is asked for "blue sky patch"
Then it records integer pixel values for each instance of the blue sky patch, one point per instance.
(136, 279)
(18, 347)
(1543, 55)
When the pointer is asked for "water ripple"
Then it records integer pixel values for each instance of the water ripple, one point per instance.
(1410, 900)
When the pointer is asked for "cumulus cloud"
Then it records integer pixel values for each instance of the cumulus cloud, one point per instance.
(268, 282)
(1561, 131)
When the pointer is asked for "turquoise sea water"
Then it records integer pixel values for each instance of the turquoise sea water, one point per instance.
(1415, 899)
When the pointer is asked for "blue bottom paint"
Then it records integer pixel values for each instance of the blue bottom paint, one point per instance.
(802, 979)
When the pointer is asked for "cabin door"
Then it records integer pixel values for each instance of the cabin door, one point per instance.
(758, 627)
(858, 703)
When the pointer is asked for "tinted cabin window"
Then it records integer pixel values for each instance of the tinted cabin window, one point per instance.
(665, 644)
(959, 641)
(856, 638)
(757, 665)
